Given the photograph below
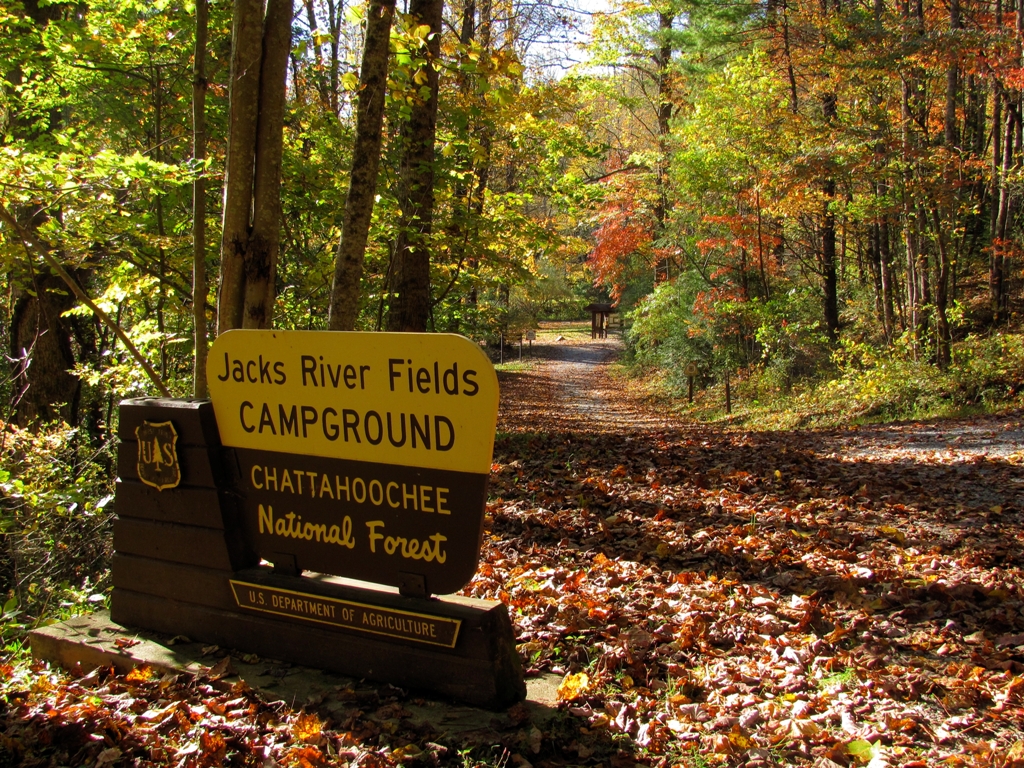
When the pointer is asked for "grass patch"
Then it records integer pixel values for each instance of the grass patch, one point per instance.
(575, 331)
(843, 679)
(517, 366)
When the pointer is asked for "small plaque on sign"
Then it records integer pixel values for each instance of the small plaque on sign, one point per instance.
(531, 335)
(345, 614)
(158, 456)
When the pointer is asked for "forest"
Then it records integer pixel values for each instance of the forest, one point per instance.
(791, 193)
(814, 204)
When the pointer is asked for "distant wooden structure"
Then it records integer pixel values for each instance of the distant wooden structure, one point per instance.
(599, 314)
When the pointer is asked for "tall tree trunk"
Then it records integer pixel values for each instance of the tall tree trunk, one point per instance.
(924, 290)
(265, 237)
(662, 63)
(334, 15)
(913, 284)
(41, 347)
(794, 101)
(885, 258)
(881, 190)
(243, 111)
(469, 195)
(1007, 204)
(321, 85)
(943, 336)
(199, 286)
(161, 230)
(410, 286)
(830, 280)
(952, 82)
(362, 186)
(1004, 214)
(252, 177)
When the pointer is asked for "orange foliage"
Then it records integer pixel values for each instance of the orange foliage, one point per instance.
(624, 237)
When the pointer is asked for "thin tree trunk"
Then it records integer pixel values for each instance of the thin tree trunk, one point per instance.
(243, 110)
(662, 63)
(925, 288)
(252, 178)
(885, 259)
(952, 82)
(321, 86)
(942, 332)
(158, 155)
(830, 281)
(199, 287)
(334, 22)
(362, 187)
(997, 263)
(913, 284)
(265, 238)
(794, 101)
(410, 305)
(469, 196)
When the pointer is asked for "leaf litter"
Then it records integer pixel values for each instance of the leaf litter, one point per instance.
(707, 597)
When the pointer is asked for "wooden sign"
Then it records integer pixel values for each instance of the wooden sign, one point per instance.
(359, 455)
(186, 539)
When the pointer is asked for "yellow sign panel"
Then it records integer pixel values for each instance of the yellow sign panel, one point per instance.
(412, 399)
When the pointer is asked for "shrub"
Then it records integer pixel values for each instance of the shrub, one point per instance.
(55, 520)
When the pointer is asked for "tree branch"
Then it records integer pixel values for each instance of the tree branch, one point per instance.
(33, 246)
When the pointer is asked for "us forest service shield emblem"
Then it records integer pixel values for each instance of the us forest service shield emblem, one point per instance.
(158, 455)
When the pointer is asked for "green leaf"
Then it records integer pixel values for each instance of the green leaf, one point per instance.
(861, 750)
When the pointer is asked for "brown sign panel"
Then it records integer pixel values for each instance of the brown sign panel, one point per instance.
(347, 614)
(362, 520)
(158, 455)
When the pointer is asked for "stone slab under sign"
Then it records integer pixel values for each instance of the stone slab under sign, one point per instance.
(94, 640)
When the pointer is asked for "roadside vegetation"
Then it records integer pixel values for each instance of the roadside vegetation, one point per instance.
(856, 384)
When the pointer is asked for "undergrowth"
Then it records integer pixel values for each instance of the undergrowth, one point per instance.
(56, 490)
(864, 385)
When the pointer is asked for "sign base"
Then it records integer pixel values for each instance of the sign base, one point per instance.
(183, 566)
(458, 647)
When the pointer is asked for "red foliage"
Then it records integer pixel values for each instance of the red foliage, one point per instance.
(623, 238)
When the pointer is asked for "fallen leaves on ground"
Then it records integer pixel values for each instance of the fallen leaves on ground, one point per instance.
(707, 597)
(765, 598)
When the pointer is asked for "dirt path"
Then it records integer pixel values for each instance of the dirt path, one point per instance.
(571, 387)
